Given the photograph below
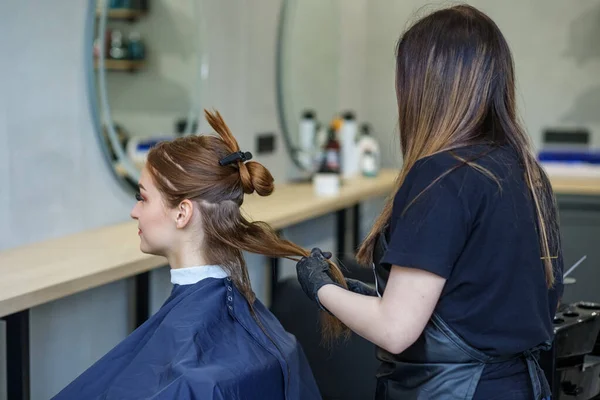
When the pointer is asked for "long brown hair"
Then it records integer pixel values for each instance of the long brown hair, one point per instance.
(188, 168)
(455, 87)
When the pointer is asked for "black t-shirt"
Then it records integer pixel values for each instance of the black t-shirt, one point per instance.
(482, 237)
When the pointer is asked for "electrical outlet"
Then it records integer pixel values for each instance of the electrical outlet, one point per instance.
(265, 143)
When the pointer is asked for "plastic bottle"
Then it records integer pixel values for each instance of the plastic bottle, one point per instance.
(348, 136)
(136, 47)
(369, 152)
(307, 135)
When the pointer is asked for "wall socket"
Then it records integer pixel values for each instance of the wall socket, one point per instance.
(265, 143)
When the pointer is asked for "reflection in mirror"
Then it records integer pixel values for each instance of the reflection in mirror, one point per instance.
(148, 67)
(308, 83)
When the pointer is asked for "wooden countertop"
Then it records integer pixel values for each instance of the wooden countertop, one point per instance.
(574, 185)
(42, 272)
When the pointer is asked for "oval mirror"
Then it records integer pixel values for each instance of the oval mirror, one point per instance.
(146, 68)
(308, 75)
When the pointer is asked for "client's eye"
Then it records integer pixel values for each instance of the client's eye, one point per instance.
(139, 197)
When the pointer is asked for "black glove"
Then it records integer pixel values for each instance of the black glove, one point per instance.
(360, 287)
(312, 273)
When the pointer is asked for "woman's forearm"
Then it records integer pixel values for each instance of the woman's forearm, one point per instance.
(366, 316)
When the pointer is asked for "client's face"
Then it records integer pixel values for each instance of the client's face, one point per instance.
(155, 221)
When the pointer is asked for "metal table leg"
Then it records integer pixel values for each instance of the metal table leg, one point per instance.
(17, 356)
(341, 234)
(341, 216)
(17, 341)
(356, 239)
(274, 267)
(274, 264)
(142, 298)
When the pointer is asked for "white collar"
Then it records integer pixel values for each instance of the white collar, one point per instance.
(191, 275)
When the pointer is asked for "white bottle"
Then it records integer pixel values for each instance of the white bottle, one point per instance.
(369, 152)
(349, 153)
(307, 134)
(320, 141)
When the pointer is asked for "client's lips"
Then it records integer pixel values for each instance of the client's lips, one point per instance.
(139, 231)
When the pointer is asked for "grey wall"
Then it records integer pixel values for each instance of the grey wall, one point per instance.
(54, 179)
(554, 43)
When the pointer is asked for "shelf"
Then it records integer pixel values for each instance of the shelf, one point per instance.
(123, 13)
(122, 172)
(122, 65)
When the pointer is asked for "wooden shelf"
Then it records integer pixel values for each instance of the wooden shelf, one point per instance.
(122, 65)
(123, 13)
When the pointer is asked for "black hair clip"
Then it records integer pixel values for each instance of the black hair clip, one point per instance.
(234, 157)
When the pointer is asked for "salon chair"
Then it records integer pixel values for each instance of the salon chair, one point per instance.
(572, 366)
(351, 269)
(344, 371)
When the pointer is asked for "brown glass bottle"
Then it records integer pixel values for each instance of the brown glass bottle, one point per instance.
(331, 154)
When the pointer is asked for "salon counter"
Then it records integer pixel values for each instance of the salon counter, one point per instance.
(578, 201)
(42, 272)
(575, 185)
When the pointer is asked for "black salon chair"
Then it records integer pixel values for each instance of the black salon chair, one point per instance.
(351, 269)
(345, 371)
(573, 365)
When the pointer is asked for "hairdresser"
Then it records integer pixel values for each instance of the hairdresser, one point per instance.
(466, 252)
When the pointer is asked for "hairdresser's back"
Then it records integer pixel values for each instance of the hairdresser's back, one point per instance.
(475, 209)
(478, 231)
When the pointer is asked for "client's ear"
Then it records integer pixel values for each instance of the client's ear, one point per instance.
(184, 213)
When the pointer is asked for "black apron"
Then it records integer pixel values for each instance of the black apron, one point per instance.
(440, 365)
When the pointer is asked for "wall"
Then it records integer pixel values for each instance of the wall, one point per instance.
(45, 122)
(554, 47)
(54, 178)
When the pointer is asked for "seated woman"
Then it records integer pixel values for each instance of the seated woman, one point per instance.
(211, 339)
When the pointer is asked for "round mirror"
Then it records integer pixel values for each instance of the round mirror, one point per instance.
(146, 71)
(308, 76)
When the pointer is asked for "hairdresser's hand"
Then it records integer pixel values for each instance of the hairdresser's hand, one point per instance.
(360, 287)
(313, 273)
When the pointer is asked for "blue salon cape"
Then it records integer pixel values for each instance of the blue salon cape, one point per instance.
(202, 344)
